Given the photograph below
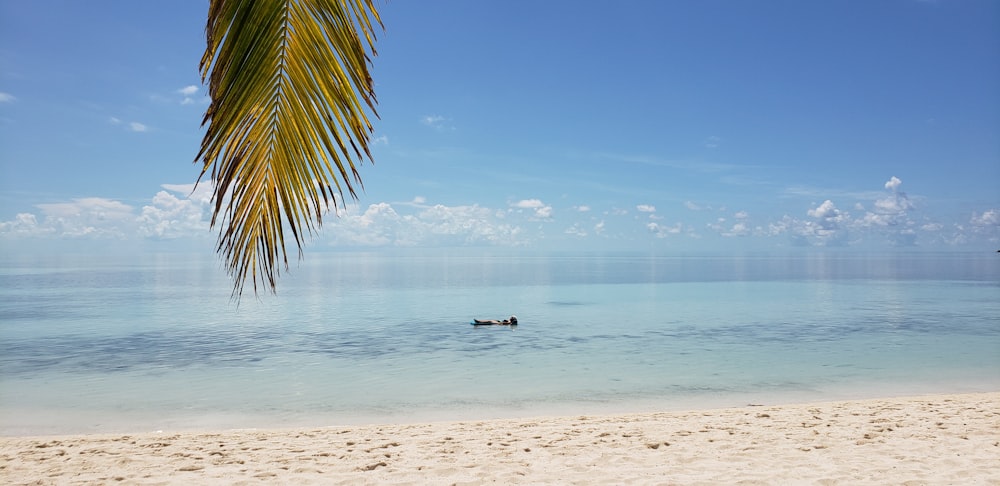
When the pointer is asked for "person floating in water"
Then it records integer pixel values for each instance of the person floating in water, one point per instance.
(512, 321)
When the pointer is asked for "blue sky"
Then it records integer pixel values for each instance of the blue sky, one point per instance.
(560, 125)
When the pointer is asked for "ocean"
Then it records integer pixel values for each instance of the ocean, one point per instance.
(108, 345)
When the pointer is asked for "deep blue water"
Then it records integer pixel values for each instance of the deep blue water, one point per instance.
(113, 345)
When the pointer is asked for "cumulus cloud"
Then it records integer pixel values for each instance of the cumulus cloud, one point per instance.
(169, 216)
(662, 231)
(83, 217)
(825, 210)
(829, 227)
(529, 204)
(166, 216)
(986, 225)
(378, 225)
(892, 214)
(897, 203)
(888, 219)
(576, 230)
(201, 193)
(541, 210)
(780, 227)
(738, 229)
(183, 210)
(23, 225)
(990, 217)
(381, 225)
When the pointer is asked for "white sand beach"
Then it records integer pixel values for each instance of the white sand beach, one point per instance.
(940, 439)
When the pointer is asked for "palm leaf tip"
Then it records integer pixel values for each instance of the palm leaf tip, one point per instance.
(288, 122)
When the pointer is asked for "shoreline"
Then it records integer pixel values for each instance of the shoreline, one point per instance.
(933, 439)
(47, 422)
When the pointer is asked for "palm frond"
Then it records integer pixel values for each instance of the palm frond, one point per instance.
(290, 90)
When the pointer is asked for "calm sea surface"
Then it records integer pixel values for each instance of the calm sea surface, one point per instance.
(114, 346)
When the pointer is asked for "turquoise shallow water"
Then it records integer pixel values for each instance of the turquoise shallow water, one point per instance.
(102, 346)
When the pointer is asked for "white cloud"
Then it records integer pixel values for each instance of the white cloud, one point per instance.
(529, 204)
(830, 229)
(137, 127)
(738, 229)
(437, 122)
(183, 210)
(576, 230)
(713, 142)
(779, 227)
(201, 193)
(888, 219)
(7, 97)
(381, 225)
(662, 231)
(87, 217)
(826, 210)
(890, 215)
(542, 211)
(24, 225)
(169, 217)
(431, 120)
(692, 206)
(896, 203)
(186, 93)
(990, 217)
